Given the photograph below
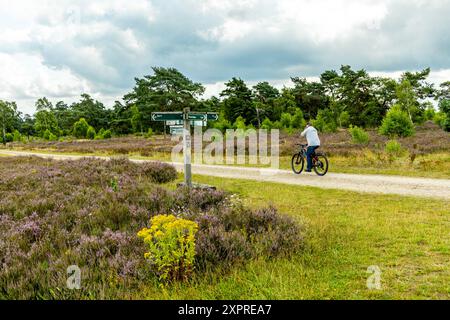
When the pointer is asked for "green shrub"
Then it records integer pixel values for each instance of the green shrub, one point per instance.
(171, 246)
(444, 107)
(286, 120)
(80, 128)
(100, 134)
(324, 122)
(222, 124)
(267, 124)
(359, 136)
(298, 121)
(149, 133)
(394, 148)
(429, 113)
(107, 134)
(9, 137)
(277, 125)
(239, 123)
(52, 137)
(90, 134)
(46, 134)
(397, 123)
(344, 119)
(440, 119)
(17, 136)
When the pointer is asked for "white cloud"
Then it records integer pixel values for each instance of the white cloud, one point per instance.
(27, 79)
(330, 19)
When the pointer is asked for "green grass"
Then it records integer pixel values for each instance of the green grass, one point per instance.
(346, 232)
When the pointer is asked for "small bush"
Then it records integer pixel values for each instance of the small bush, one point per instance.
(344, 119)
(222, 124)
(90, 134)
(159, 172)
(324, 122)
(171, 245)
(100, 134)
(440, 119)
(107, 134)
(429, 113)
(9, 137)
(46, 134)
(359, 136)
(52, 137)
(394, 148)
(267, 124)
(80, 128)
(286, 120)
(17, 136)
(149, 133)
(397, 123)
(298, 121)
(239, 123)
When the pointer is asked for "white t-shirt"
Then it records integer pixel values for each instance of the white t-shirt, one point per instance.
(311, 136)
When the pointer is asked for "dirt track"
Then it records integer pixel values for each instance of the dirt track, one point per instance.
(423, 187)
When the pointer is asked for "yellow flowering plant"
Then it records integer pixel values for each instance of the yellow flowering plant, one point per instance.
(171, 244)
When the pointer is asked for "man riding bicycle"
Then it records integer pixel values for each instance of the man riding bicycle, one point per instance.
(313, 143)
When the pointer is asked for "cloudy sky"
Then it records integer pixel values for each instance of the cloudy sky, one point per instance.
(61, 48)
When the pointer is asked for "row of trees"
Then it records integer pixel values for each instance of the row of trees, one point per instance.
(339, 99)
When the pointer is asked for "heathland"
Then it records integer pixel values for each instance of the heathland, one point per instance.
(426, 154)
(315, 244)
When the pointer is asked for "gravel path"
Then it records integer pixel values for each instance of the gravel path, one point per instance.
(422, 187)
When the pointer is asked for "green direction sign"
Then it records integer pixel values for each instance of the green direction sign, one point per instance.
(167, 116)
(197, 116)
(178, 116)
(213, 116)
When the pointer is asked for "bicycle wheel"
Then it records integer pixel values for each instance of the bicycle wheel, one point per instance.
(320, 164)
(297, 163)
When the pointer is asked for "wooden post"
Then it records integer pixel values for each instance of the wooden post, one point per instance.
(164, 130)
(187, 149)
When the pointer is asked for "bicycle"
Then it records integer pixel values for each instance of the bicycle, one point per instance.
(319, 160)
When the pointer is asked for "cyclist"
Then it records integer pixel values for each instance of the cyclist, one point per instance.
(313, 143)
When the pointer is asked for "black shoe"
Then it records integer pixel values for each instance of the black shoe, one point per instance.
(308, 171)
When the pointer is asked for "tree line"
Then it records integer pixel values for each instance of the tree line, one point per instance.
(339, 99)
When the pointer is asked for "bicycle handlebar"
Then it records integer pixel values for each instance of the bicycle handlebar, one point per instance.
(300, 144)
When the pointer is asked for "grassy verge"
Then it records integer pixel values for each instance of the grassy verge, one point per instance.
(407, 238)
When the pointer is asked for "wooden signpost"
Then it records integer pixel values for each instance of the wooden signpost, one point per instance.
(187, 118)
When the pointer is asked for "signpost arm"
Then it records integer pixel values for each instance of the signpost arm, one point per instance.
(187, 149)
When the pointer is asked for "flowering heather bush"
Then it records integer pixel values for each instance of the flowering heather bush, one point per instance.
(121, 145)
(159, 172)
(54, 214)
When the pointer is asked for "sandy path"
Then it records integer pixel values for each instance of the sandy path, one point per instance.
(423, 187)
